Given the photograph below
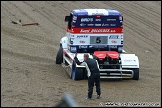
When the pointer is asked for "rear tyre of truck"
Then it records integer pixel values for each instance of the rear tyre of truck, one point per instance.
(77, 73)
(59, 57)
(136, 74)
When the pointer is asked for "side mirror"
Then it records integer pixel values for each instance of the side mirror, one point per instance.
(67, 18)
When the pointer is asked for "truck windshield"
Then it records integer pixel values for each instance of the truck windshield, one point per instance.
(97, 21)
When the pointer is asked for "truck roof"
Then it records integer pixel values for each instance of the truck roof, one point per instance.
(95, 12)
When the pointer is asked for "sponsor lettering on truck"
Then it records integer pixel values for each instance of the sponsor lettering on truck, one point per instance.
(98, 32)
(86, 19)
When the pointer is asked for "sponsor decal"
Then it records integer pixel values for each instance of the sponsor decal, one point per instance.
(74, 21)
(98, 46)
(111, 19)
(113, 46)
(90, 46)
(97, 24)
(105, 24)
(113, 37)
(130, 60)
(114, 41)
(82, 36)
(82, 24)
(83, 31)
(86, 19)
(112, 24)
(98, 20)
(81, 41)
(73, 48)
(97, 30)
(83, 46)
(90, 24)
(102, 30)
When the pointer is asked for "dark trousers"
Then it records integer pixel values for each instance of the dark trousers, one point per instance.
(94, 78)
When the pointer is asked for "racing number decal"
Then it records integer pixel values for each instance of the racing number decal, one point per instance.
(98, 40)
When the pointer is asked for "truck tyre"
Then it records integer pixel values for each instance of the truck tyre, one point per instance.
(136, 74)
(77, 73)
(59, 57)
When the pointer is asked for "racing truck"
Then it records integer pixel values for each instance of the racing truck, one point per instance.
(99, 33)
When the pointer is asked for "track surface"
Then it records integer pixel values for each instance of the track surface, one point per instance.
(29, 75)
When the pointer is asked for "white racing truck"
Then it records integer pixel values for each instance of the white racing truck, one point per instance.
(98, 32)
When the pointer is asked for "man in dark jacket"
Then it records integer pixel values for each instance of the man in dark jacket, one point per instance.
(93, 74)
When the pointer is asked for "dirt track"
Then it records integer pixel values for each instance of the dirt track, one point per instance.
(29, 75)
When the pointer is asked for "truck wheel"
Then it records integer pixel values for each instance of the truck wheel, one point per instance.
(136, 74)
(59, 57)
(77, 73)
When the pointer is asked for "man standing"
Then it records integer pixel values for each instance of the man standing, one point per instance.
(93, 74)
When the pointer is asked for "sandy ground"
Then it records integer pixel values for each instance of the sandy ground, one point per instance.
(29, 75)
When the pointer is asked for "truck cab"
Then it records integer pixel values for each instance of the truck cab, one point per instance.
(99, 33)
(89, 30)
